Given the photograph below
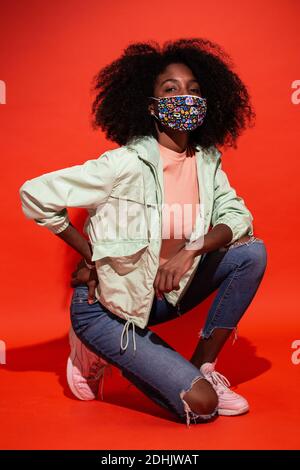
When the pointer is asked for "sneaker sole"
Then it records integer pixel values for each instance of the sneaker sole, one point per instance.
(233, 412)
(71, 383)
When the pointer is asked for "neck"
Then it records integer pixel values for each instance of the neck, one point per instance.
(174, 140)
(179, 145)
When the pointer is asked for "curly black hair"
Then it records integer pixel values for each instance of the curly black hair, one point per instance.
(120, 107)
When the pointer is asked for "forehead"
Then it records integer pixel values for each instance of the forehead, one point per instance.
(175, 71)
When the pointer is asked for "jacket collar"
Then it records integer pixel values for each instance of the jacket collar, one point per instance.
(148, 149)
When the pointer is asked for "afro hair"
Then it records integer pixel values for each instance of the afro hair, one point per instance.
(122, 88)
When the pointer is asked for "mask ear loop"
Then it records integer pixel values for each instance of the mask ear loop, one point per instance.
(152, 112)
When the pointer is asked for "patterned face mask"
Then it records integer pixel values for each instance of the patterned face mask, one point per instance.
(182, 112)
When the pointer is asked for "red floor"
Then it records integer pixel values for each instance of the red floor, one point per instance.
(37, 411)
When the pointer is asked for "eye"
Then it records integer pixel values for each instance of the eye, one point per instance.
(197, 90)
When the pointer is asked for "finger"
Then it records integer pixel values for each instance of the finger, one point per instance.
(162, 281)
(156, 280)
(176, 281)
(158, 293)
(169, 282)
(155, 284)
(91, 294)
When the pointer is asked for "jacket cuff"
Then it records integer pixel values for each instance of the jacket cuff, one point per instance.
(238, 226)
(61, 228)
(55, 226)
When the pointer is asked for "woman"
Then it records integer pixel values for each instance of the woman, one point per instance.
(167, 109)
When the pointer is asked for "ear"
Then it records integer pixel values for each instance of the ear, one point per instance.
(151, 108)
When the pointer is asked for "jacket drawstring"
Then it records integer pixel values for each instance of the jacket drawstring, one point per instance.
(126, 330)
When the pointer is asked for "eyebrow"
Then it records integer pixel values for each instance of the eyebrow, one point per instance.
(175, 80)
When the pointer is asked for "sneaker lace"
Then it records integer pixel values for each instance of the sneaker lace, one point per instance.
(221, 382)
(97, 371)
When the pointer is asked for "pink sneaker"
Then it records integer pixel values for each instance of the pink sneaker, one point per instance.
(230, 403)
(84, 370)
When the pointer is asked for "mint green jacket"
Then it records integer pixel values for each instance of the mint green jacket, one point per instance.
(132, 175)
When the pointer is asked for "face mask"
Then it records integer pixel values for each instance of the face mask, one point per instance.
(182, 112)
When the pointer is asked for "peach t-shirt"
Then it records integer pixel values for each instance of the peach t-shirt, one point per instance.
(181, 191)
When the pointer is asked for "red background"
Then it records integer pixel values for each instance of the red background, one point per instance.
(49, 54)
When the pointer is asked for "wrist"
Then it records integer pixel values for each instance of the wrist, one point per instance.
(195, 248)
(191, 253)
(88, 259)
(89, 263)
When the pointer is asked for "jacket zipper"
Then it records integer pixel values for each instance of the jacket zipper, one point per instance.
(160, 220)
(192, 274)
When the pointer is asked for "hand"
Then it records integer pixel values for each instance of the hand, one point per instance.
(83, 274)
(170, 273)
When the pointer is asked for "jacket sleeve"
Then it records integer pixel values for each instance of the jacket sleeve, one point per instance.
(45, 198)
(228, 207)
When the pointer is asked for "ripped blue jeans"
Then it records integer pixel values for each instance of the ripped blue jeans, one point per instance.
(156, 368)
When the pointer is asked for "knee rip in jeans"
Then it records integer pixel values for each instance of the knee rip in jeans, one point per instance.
(191, 414)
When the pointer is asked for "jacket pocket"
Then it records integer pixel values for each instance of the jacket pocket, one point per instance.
(123, 256)
(129, 192)
(124, 216)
